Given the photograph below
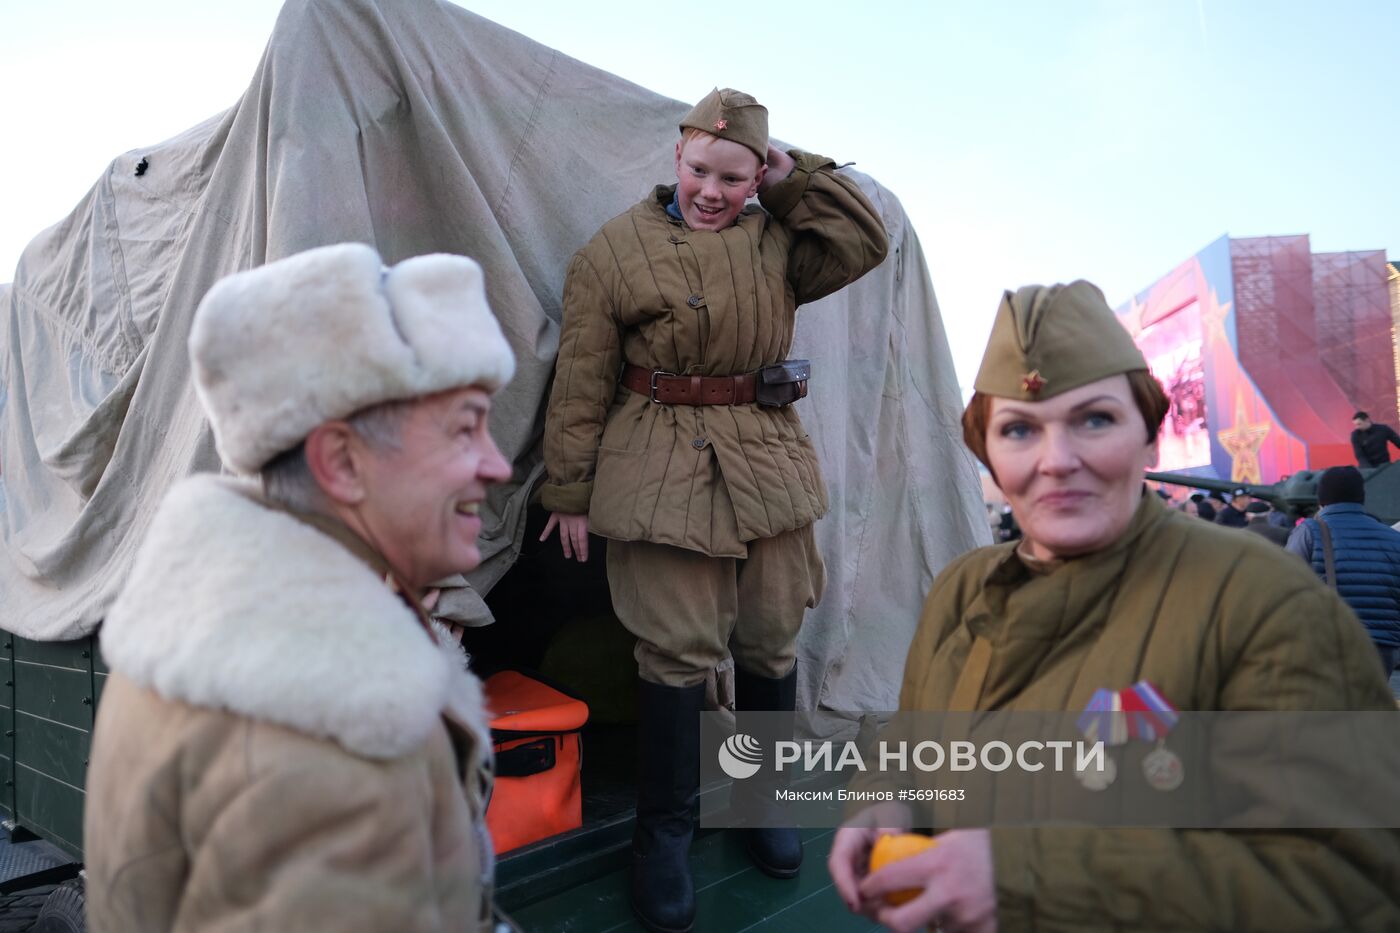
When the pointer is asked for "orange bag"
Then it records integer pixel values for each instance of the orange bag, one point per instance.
(535, 734)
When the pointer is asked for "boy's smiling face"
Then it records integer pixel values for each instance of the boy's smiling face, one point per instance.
(714, 178)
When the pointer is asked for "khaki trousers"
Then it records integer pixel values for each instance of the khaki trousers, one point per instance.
(690, 611)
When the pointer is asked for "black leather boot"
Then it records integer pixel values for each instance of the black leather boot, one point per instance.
(668, 783)
(776, 851)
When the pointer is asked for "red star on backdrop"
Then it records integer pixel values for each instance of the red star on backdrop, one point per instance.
(721, 124)
(1213, 319)
(1032, 382)
(1242, 442)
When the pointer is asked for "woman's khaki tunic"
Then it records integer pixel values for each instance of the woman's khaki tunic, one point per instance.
(1216, 619)
(649, 290)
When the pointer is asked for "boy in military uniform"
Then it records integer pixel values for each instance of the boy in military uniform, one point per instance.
(669, 433)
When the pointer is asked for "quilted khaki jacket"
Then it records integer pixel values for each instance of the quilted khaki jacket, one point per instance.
(1217, 620)
(650, 291)
(280, 745)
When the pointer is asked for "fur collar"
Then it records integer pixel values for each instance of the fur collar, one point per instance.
(236, 606)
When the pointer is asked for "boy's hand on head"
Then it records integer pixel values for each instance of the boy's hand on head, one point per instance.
(780, 166)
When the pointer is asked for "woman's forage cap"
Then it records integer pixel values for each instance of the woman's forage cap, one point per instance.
(1050, 339)
(282, 348)
(732, 115)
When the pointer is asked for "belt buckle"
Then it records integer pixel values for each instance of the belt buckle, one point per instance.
(657, 374)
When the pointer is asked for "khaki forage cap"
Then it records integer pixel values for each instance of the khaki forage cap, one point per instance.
(1050, 339)
(732, 115)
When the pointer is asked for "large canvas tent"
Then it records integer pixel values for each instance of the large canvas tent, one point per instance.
(418, 127)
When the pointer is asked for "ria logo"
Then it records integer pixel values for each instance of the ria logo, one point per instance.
(740, 756)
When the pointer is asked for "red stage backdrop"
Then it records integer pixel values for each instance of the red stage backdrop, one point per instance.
(1265, 350)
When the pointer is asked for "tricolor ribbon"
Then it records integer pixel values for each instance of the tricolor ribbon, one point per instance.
(1150, 715)
(1102, 720)
(1139, 712)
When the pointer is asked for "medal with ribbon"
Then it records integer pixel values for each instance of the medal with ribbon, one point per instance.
(1102, 721)
(1150, 717)
(1116, 717)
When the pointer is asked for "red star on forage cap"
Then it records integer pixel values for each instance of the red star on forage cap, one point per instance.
(721, 124)
(1032, 382)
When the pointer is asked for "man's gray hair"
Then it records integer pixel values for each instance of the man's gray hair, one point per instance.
(287, 479)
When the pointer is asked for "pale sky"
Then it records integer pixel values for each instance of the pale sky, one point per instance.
(1028, 141)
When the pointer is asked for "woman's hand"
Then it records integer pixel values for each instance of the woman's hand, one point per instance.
(573, 534)
(958, 893)
(849, 859)
(780, 166)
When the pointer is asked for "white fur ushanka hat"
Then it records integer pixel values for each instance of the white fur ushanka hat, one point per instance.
(282, 348)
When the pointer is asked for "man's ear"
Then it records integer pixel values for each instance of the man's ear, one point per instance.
(680, 146)
(333, 455)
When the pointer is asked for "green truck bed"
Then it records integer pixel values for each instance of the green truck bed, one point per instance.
(47, 703)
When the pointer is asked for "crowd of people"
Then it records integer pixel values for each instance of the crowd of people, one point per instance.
(289, 741)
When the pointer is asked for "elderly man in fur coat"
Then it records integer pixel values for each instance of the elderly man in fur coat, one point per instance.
(286, 742)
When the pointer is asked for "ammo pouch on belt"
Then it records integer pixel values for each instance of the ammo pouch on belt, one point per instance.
(782, 383)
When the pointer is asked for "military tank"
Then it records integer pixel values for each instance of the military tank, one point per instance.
(1297, 495)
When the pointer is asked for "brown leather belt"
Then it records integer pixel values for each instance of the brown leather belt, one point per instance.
(670, 389)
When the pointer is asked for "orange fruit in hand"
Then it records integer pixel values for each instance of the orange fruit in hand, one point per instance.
(892, 848)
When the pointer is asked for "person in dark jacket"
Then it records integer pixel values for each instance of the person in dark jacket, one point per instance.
(1366, 556)
(1199, 505)
(1233, 515)
(1259, 514)
(1371, 442)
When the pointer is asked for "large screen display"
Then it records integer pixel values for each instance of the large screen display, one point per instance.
(1172, 346)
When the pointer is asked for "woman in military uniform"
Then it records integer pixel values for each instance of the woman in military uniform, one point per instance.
(1107, 589)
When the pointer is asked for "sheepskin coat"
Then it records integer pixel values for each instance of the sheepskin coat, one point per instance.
(649, 290)
(281, 745)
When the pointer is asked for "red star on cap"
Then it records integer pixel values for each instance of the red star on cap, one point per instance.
(721, 124)
(1032, 382)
